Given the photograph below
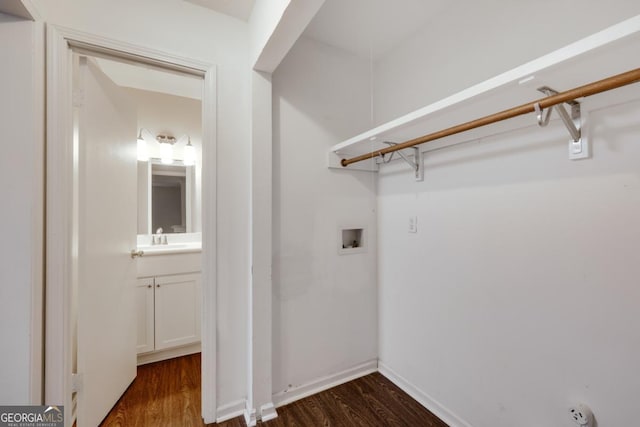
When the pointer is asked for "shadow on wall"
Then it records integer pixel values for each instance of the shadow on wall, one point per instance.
(328, 86)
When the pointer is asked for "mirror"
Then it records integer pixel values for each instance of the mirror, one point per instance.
(165, 197)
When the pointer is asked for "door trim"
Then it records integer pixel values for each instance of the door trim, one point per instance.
(60, 259)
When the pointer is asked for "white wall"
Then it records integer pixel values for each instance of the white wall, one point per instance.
(519, 289)
(470, 42)
(274, 27)
(21, 175)
(198, 33)
(324, 305)
(163, 114)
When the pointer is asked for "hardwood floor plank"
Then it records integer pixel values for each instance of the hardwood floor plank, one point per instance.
(167, 394)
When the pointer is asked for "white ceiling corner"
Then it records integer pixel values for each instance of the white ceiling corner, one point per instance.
(370, 28)
(240, 9)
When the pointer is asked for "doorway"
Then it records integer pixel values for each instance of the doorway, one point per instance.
(68, 229)
(113, 291)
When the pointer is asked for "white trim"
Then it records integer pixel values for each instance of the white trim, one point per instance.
(58, 224)
(268, 412)
(170, 353)
(209, 215)
(250, 418)
(231, 410)
(423, 398)
(259, 368)
(59, 255)
(99, 45)
(37, 220)
(292, 394)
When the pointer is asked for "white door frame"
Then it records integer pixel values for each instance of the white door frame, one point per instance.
(60, 256)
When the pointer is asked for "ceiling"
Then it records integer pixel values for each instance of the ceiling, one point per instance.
(366, 28)
(151, 79)
(363, 27)
(370, 28)
(240, 9)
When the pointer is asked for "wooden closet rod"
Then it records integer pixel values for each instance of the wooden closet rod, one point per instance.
(594, 88)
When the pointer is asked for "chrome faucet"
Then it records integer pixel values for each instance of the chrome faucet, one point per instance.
(159, 239)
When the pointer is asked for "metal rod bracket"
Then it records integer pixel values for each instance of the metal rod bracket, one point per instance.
(417, 164)
(571, 122)
(543, 120)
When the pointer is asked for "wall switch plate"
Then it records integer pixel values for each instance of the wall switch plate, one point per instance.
(413, 224)
(579, 149)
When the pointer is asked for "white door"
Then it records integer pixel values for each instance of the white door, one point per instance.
(106, 233)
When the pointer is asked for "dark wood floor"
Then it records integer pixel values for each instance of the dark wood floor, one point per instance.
(167, 394)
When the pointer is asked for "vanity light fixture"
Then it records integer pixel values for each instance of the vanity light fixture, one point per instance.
(166, 148)
(189, 158)
(143, 150)
(166, 143)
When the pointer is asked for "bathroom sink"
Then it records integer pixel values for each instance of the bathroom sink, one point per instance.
(169, 246)
(172, 248)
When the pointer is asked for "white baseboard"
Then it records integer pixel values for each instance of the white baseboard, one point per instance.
(423, 398)
(268, 412)
(157, 356)
(292, 394)
(230, 410)
(250, 417)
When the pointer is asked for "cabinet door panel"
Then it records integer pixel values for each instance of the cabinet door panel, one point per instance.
(177, 310)
(145, 315)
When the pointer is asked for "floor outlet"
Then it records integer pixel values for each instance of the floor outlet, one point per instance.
(581, 415)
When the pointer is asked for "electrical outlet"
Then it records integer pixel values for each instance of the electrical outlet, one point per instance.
(581, 415)
(413, 224)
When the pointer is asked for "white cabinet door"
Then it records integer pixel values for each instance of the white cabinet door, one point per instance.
(145, 315)
(177, 310)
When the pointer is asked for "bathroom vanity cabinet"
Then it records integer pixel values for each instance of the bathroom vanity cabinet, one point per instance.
(168, 306)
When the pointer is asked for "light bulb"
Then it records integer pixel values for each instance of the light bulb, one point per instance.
(189, 158)
(143, 151)
(166, 153)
